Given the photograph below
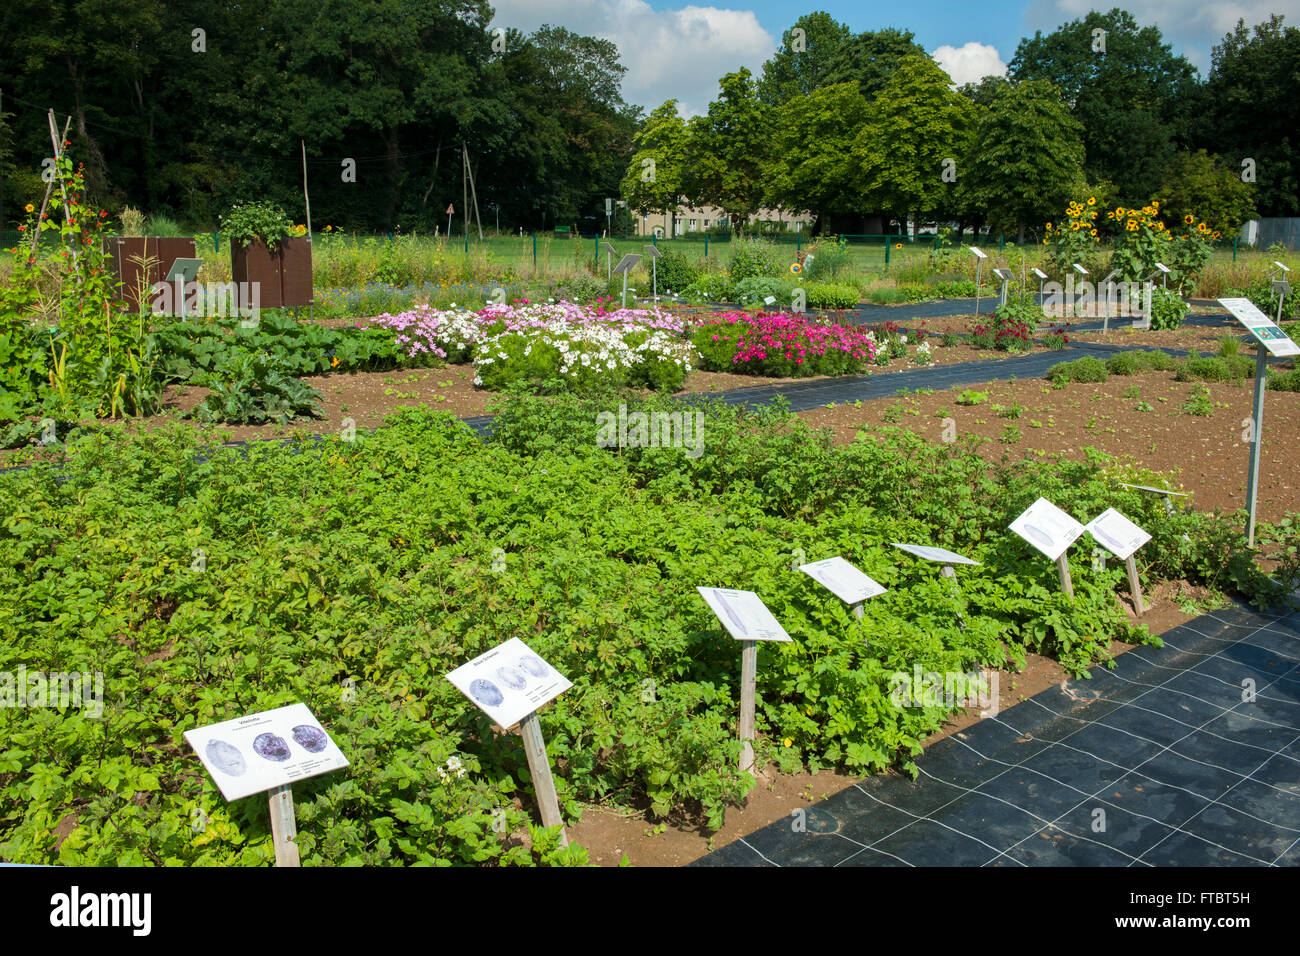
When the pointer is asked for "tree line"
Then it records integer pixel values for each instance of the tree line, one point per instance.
(847, 125)
(185, 107)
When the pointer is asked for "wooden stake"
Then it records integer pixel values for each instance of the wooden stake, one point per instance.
(1134, 585)
(1063, 567)
(49, 187)
(748, 687)
(539, 765)
(284, 829)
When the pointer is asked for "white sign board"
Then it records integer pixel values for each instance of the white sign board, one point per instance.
(940, 555)
(743, 614)
(1006, 275)
(1117, 534)
(1039, 272)
(266, 750)
(1047, 528)
(979, 253)
(769, 300)
(1261, 326)
(843, 580)
(509, 682)
(1163, 491)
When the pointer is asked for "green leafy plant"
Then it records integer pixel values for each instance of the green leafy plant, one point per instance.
(256, 222)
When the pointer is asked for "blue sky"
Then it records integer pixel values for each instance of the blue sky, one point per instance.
(677, 49)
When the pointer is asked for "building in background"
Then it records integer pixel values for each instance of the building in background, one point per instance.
(702, 219)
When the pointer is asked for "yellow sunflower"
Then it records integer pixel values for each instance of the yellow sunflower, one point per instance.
(1188, 219)
(30, 208)
(1092, 200)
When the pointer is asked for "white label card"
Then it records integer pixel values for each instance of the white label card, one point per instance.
(266, 750)
(1117, 534)
(843, 580)
(980, 253)
(509, 682)
(743, 614)
(1047, 528)
(940, 555)
(1261, 326)
(1163, 491)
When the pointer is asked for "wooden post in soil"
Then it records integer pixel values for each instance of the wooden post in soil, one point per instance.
(539, 766)
(1063, 569)
(284, 829)
(748, 688)
(1134, 585)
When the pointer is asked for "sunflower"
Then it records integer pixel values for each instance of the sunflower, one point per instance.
(1202, 228)
(1132, 226)
(1188, 219)
(1094, 232)
(30, 208)
(1049, 225)
(1092, 200)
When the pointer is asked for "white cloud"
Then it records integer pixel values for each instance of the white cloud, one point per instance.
(970, 63)
(669, 54)
(1193, 29)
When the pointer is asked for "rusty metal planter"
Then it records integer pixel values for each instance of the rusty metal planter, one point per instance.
(130, 254)
(284, 275)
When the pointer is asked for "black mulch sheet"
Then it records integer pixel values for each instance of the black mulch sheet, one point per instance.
(1185, 755)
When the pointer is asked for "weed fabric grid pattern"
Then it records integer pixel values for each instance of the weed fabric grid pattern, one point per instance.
(1185, 755)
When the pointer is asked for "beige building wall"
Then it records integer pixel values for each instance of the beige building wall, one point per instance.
(701, 219)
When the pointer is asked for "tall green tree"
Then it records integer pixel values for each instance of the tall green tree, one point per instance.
(654, 179)
(1252, 111)
(1025, 160)
(870, 59)
(1134, 97)
(1202, 186)
(728, 149)
(812, 164)
(915, 130)
(803, 61)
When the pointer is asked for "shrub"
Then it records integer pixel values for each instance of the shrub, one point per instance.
(827, 295)
(960, 289)
(950, 339)
(918, 293)
(757, 258)
(1086, 369)
(675, 271)
(1131, 363)
(886, 295)
(1284, 381)
(756, 289)
(826, 258)
(709, 288)
(1215, 368)
(1260, 292)
(1167, 309)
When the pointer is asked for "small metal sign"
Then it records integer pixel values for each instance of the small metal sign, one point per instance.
(1281, 287)
(1039, 272)
(979, 253)
(653, 251)
(627, 263)
(1163, 268)
(1006, 275)
(608, 247)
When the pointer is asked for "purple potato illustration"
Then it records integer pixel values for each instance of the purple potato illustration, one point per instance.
(533, 666)
(486, 693)
(1040, 536)
(735, 618)
(512, 678)
(271, 747)
(225, 758)
(309, 738)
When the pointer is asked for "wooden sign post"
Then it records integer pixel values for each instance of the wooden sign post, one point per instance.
(510, 683)
(284, 829)
(844, 581)
(747, 619)
(748, 693)
(1122, 538)
(1063, 572)
(1051, 531)
(539, 766)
